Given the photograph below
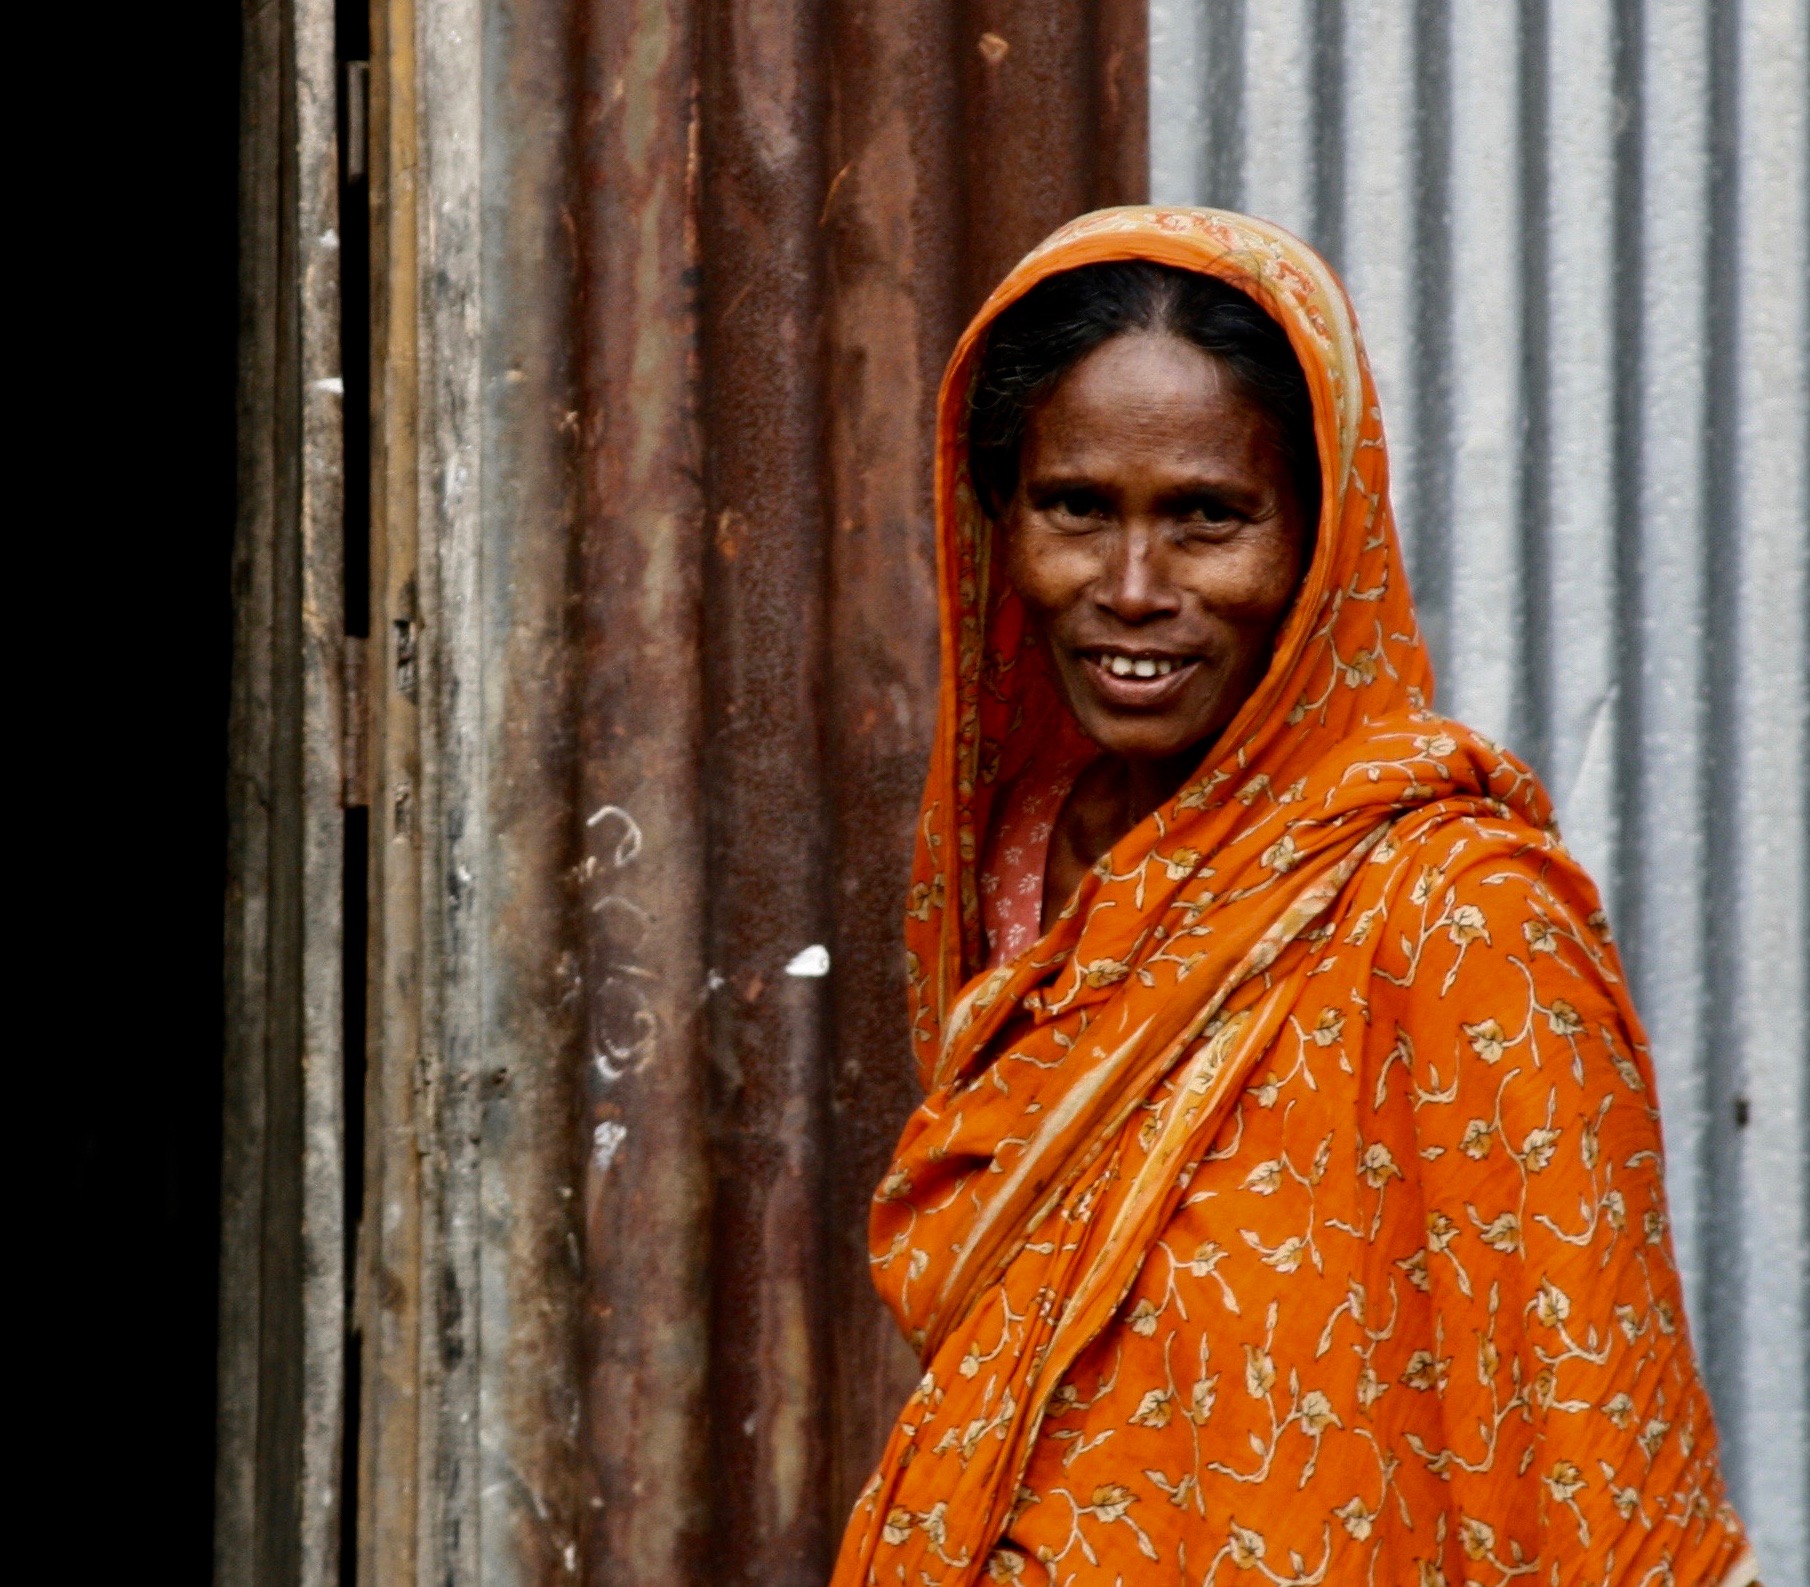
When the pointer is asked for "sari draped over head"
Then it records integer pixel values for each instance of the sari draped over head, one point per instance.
(1291, 1211)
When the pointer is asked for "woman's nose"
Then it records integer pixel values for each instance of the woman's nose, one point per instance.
(1134, 586)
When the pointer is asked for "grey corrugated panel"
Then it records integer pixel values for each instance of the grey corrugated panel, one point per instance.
(1178, 83)
(1572, 474)
(1277, 149)
(1770, 504)
(1575, 234)
(1665, 875)
(1378, 201)
(1484, 336)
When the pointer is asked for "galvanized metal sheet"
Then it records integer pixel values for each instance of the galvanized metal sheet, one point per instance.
(1576, 236)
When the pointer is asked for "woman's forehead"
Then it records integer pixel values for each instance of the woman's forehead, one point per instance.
(1148, 398)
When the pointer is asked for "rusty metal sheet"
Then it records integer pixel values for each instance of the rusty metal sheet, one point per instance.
(642, 877)
(763, 661)
(529, 1073)
(892, 226)
(661, 295)
(929, 162)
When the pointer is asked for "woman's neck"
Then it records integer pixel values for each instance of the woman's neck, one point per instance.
(1110, 798)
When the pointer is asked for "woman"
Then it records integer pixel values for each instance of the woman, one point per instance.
(1286, 1201)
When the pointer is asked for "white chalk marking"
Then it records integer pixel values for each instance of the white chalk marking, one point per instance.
(629, 844)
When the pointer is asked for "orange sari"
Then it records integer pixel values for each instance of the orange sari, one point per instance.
(1292, 1210)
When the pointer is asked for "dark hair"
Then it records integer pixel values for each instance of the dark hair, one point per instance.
(1062, 319)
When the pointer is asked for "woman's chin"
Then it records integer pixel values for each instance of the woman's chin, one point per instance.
(1144, 739)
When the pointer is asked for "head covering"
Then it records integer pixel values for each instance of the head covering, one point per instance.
(1090, 1097)
(1349, 653)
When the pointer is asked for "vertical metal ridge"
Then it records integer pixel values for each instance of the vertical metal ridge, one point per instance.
(248, 967)
(1574, 688)
(1329, 122)
(1367, 171)
(394, 1236)
(1430, 492)
(1120, 53)
(1768, 757)
(530, 1498)
(641, 886)
(1667, 818)
(761, 190)
(1723, 1341)
(1530, 707)
(1627, 378)
(1180, 136)
(1276, 106)
(1486, 556)
(1225, 111)
(891, 223)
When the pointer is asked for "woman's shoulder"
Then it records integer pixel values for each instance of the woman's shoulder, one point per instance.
(1478, 923)
(1446, 864)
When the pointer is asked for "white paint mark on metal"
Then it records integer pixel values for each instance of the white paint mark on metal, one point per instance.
(811, 961)
(606, 1142)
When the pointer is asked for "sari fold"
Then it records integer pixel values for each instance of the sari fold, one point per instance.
(1294, 1204)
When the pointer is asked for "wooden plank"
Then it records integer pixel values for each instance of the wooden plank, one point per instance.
(283, 1270)
(248, 805)
(391, 1269)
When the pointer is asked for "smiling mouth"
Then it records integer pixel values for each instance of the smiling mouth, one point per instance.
(1123, 664)
(1130, 678)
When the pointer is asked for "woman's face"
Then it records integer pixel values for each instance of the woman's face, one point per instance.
(1157, 540)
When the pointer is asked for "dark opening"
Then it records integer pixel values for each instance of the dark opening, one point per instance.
(135, 298)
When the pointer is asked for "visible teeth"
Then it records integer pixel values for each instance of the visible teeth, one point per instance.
(1137, 667)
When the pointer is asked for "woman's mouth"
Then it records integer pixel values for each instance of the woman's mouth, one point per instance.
(1137, 679)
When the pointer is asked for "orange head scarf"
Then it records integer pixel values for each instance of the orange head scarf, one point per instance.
(1104, 1089)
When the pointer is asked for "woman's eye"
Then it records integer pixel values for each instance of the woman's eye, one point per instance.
(1205, 512)
(1207, 516)
(1079, 504)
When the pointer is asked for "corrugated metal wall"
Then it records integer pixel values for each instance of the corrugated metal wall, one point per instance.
(1575, 232)
(660, 292)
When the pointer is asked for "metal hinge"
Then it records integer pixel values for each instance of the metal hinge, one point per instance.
(355, 755)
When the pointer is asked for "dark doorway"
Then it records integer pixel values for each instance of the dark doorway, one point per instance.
(139, 308)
